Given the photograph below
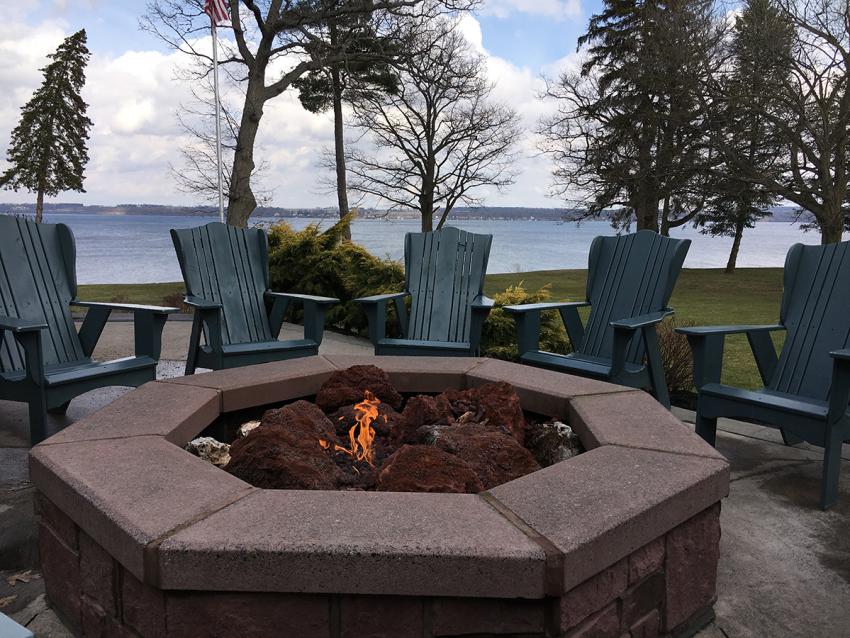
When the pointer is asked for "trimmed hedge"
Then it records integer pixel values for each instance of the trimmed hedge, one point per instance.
(499, 339)
(317, 262)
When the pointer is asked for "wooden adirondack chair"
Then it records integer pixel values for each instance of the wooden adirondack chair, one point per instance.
(226, 272)
(44, 360)
(807, 388)
(629, 283)
(444, 278)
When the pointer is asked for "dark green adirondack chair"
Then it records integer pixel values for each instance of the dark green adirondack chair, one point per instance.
(444, 279)
(226, 272)
(807, 388)
(629, 282)
(44, 360)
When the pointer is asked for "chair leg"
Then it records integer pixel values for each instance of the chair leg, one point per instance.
(194, 345)
(707, 428)
(59, 409)
(788, 438)
(38, 419)
(831, 467)
(656, 368)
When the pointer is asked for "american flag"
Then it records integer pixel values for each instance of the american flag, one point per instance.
(217, 10)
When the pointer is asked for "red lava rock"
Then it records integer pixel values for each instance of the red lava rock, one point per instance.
(302, 416)
(423, 468)
(281, 458)
(422, 410)
(495, 457)
(346, 387)
(496, 402)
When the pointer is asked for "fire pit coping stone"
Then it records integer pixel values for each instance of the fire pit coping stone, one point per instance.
(176, 522)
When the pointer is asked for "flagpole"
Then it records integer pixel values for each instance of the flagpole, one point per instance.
(217, 122)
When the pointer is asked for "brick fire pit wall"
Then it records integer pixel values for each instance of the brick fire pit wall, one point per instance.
(140, 538)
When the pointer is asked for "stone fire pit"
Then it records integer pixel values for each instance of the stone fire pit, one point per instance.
(140, 538)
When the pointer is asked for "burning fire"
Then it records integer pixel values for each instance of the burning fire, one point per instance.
(362, 434)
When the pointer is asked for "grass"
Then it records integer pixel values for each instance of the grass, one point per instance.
(168, 294)
(702, 296)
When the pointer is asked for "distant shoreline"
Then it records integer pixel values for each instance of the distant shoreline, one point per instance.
(784, 214)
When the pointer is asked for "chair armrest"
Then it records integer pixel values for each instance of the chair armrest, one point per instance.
(200, 303)
(641, 321)
(527, 317)
(707, 346)
(482, 302)
(15, 325)
(129, 307)
(314, 313)
(375, 308)
(324, 301)
(148, 323)
(707, 331)
(481, 307)
(539, 307)
(382, 298)
(839, 390)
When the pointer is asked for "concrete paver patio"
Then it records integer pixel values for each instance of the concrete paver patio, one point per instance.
(785, 565)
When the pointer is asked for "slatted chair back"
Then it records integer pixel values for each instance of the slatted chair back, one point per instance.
(816, 314)
(444, 272)
(37, 283)
(628, 276)
(230, 266)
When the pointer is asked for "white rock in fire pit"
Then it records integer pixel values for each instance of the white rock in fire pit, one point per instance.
(552, 442)
(209, 449)
(247, 428)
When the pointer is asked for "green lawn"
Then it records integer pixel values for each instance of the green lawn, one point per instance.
(705, 297)
(151, 294)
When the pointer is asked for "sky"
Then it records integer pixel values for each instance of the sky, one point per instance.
(134, 94)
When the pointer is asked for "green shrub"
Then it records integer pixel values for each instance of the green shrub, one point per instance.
(317, 262)
(676, 357)
(320, 262)
(499, 338)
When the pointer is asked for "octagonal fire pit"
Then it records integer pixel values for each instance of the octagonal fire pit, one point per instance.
(140, 538)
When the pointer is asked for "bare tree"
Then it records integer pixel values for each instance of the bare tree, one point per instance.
(811, 114)
(439, 139)
(275, 43)
(197, 170)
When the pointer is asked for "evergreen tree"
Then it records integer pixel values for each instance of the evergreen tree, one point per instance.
(630, 130)
(365, 72)
(48, 151)
(761, 55)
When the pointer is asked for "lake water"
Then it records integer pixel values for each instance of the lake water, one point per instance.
(138, 249)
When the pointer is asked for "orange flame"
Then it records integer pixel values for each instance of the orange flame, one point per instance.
(361, 435)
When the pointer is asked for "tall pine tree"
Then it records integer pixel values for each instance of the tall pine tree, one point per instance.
(631, 126)
(48, 151)
(364, 72)
(747, 106)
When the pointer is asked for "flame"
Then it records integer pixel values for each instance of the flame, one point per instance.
(361, 436)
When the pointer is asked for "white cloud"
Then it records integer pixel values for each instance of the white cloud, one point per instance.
(557, 9)
(134, 97)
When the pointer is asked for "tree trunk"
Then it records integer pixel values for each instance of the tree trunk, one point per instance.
(427, 219)
(39, 206)
(736, 246)
(832, 223)
(339, 149)
(241, 201)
